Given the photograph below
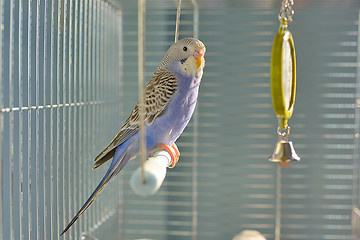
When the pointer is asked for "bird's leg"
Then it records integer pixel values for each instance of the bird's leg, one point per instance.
(173, 151)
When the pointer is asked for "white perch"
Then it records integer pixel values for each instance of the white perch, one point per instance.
(155, 172)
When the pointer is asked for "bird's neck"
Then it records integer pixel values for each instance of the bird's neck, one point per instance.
(187, 83)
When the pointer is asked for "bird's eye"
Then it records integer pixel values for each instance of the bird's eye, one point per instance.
(185, 49)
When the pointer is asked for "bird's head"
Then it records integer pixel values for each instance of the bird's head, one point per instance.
(186, 55)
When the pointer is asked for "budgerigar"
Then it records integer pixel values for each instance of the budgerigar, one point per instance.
(170, 99)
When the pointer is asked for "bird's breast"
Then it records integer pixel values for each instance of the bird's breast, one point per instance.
(167, 128)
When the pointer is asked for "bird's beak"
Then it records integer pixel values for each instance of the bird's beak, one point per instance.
(199, 56)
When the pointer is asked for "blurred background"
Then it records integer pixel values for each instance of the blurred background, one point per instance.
(69, 80)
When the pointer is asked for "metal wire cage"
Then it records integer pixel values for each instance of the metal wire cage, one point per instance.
(69, 80)
(61, 84)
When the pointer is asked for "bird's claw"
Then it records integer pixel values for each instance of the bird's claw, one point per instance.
(177, 155)
(172, 150)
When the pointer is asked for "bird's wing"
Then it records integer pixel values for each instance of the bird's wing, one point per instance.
(157, 93)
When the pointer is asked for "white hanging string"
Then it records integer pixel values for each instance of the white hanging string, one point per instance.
(196, 18)
(141, 50)
(177, 21)
(194, 232)
(278, 204)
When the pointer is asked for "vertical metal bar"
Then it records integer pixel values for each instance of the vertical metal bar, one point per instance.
(99, 85)
(104, 79)
(194, 232)
(115, 47)
(51, 157)
(96, 91)
(88, 85)
(29, 77)
(103, 62)
(68, 139)
(108, 79)
(64, 173)
(21, 103)
(92, 114)
(1, 118)
(75, 148)
(16, 174)
(79, 142)
(11, 116)
(37, 93)
(44, 142)
(89, 99)
(110, 91)
(141, 73)
(53, 66)
(83, 91)
(58, 76)
(93, 93)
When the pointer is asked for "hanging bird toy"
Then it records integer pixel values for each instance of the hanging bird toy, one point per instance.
(283, 85)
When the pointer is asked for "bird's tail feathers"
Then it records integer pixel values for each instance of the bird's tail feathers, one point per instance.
(114, 169)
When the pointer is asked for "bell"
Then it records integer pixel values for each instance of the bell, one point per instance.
(284, 153)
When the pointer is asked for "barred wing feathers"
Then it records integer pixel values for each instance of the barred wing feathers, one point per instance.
(157, 93)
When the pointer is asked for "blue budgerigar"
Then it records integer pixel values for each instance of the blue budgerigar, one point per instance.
(170, 99)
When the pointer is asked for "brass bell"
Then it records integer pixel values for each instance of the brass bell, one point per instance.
(284, 153)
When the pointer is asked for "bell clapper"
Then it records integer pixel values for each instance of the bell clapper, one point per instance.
(284, 164)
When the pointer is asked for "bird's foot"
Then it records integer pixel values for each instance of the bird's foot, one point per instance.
(177, 152)
(172, 150)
